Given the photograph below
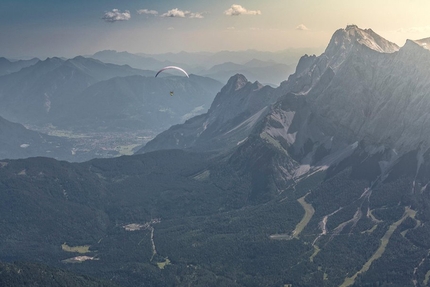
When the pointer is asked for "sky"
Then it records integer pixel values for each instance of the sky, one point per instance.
(45, 28)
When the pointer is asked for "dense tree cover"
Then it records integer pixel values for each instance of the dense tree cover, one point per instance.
(21, 274)
(213, 221)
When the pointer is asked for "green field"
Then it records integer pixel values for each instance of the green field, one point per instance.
(309, 212)
(79, 249)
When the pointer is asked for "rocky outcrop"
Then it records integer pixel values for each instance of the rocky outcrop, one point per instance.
(235, 111)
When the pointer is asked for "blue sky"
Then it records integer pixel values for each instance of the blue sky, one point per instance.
(68, 28)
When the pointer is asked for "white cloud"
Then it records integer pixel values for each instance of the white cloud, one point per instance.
(170, 28)
(175, 13)
(116, 15)
(236, 10)
(196, 15)
(182, 14)
(302, 27)
(147, 12)
(231, 28)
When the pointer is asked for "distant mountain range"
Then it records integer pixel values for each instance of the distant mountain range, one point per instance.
(207, 60)
(265, 67)
(100, 110)
(266, 72)
(60, 92)
(136, 102)
(323, 181)
(8, 67)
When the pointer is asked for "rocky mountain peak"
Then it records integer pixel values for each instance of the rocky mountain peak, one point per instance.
(425, 43)
(235, 83)
(351, 36)
(417, 46)
(345, 42)
(362, 89)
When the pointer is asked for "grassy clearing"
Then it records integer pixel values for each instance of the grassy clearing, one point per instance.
(281, 236)
(369, 231)
(316, 251)
(309, 212)
(162, 265)
(65, 134)
(384, 241)
(79, 249)
(426, 279)
(127, 149)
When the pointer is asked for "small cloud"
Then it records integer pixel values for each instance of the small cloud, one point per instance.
(147, 12)
(196, 15)
(174, 13)
(302, 27)
(170, 28)
(182, 14)
(116, 15)
(236, 10)
(231, 28)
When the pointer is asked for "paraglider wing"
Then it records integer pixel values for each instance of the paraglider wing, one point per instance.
(172, 67)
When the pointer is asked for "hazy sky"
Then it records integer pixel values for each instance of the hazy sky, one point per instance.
(79, 27)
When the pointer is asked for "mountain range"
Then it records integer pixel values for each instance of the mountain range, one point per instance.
(266, 67)
(8, 67)
(322, 181)
(98, 103)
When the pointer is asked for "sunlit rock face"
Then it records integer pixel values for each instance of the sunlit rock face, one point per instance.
(234, 113)
(362, 89)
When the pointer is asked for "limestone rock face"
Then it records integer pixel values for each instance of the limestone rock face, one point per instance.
(235, 111)
(362, 89)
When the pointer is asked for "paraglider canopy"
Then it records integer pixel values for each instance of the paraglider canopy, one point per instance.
(172, 67)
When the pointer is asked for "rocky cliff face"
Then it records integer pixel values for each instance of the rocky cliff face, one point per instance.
(235, 111)
(362, 89)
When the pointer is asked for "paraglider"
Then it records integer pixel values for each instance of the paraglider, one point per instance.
(175, 68)
(172, 67)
